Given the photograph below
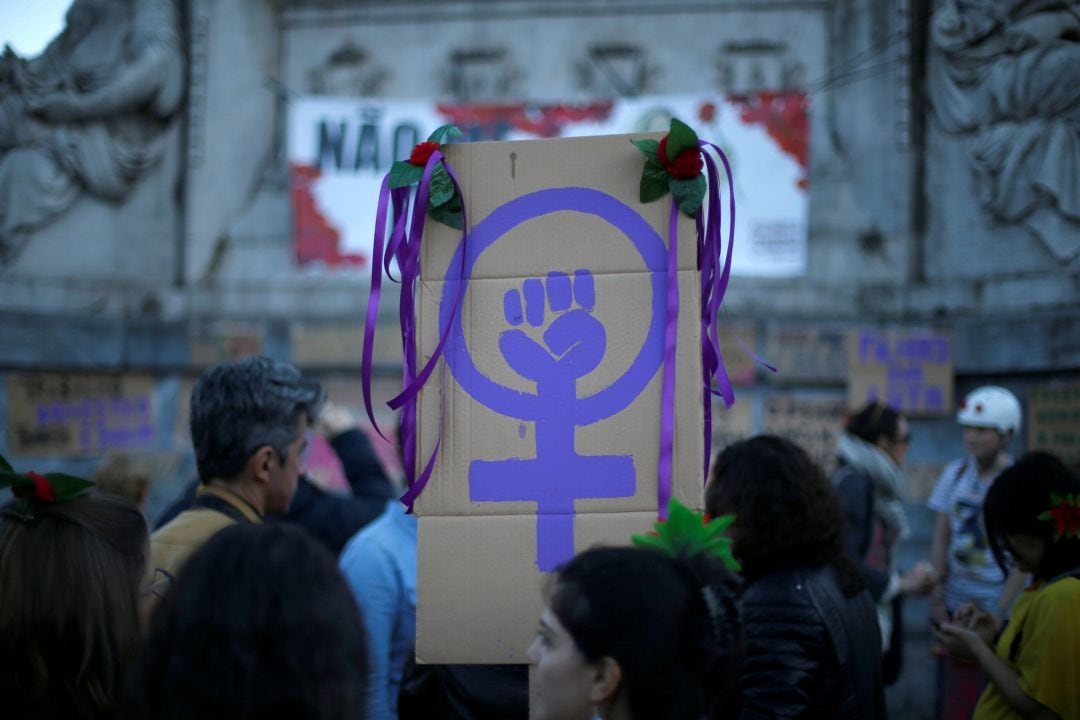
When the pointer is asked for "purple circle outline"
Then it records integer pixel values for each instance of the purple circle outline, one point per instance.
(523, 405)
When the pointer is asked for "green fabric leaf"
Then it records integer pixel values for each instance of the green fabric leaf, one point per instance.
(66, 487)
(685, 531)
(403, 174)
(441, 188)
(445, 132)
(681, 137)
(654, 181)
(689, 194)
(647, 146)
(449, 213)
(1055, 499)
(5, 465)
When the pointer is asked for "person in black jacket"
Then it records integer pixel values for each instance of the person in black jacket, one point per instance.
(331, 519)
(812, 648)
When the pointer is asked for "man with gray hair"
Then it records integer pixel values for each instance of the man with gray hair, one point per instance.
(249, 423)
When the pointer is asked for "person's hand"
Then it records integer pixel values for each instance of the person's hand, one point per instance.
(57, 106)
(938, 612)
(959, 640)
(983, 623)
(919, 580)
(334, 420)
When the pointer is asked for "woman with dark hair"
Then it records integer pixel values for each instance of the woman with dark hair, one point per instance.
(636, 634)
(872, 490)
(1032, 514)
(258, 624)
(70, 574)
(812, 645)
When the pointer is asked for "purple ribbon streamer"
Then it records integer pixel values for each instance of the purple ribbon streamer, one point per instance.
(667, 393)
(404, 247)
(714, 282)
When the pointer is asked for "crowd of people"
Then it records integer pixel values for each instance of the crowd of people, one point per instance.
(260, 595)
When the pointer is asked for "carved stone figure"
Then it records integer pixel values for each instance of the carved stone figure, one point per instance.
(1009, 77)
(87, 115)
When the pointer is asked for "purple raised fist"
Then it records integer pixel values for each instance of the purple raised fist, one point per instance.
(574, 341)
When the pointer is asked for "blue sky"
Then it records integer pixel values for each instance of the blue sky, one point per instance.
(29, 25)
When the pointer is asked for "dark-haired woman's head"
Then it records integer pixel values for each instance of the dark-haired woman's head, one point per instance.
(70, 574)
(259, 623)
(637, 634)
(1012, 510)
(786, 513)
(878, 424)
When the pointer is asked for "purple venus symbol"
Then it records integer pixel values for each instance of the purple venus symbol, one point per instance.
(573, 345)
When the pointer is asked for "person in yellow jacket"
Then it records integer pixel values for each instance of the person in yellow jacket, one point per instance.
(249, 423)
(1032, 515)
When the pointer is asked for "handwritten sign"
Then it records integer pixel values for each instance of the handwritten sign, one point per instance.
(812, 422)
(77, 414)
(911, 370)
(1054, 420)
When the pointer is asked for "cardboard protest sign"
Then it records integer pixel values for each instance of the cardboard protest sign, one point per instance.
(548, 406)
(910, 369)
(80, 414)
(1054, 420)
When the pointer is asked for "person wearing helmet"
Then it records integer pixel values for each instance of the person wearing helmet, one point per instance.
(989, 417)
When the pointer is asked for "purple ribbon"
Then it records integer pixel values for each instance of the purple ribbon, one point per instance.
(405, 249)
(714, 282)
(667, 393)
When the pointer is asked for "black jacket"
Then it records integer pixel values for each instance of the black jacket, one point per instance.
(332, 519)
(809, 651)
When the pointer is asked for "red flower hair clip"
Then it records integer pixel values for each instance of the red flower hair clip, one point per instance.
(47, 488)
(1065, 514)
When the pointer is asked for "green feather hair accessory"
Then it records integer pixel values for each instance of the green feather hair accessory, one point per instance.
(48, 488)
(689, 532)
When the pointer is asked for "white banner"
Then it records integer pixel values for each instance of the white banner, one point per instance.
(340, 148)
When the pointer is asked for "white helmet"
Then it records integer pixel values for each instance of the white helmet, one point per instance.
(990, 407)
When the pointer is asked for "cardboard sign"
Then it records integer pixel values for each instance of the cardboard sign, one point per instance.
(808, 353)
(551, 389)
(216, 341)
(911, 370)
(1054, 420)
(812, 422)
(76, 414)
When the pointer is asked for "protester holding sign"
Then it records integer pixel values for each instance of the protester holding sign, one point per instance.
(872, 489)
(811, 643)
(1032, 515)
(989, 416)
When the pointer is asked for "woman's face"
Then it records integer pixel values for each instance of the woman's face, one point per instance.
(1026, 550)
(563, 675)
(897, 447)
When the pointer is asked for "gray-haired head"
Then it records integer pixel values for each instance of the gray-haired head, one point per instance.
(241, 406)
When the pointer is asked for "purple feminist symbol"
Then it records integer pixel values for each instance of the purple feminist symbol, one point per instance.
(573, 345)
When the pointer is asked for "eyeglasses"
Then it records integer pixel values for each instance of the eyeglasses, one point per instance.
(904, 439)
(159, 583)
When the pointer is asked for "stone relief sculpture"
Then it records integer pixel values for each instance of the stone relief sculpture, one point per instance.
(1009, 77)
(89, 114)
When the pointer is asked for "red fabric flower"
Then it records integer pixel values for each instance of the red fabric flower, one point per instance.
(686, 165)
(422, 152)
(42, 487)
(707, 112)
(1066, 519)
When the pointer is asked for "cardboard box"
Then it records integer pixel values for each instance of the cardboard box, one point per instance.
(561, 255)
